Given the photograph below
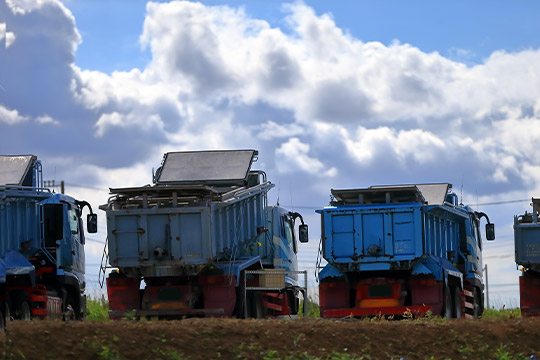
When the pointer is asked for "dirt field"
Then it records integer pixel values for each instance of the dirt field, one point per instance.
(274, 339)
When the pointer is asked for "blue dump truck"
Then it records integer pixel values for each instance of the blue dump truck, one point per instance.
(403, 249)
(202, 241)
(527, 250)
(41, 244)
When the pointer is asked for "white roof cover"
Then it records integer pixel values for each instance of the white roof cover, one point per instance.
(434, 194)
(430, 194)
(13, 168)
(221, 166)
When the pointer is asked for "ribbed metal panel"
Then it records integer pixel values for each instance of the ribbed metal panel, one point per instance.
(19, 222)
(185, 235)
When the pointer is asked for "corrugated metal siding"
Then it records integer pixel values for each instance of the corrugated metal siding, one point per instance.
(527, 244)
(371, 235)
(442, 235)
(19, 222)
(190, 235)
(388, 234)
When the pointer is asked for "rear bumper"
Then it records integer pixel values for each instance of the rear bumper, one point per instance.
(118, 314)
(415, 310)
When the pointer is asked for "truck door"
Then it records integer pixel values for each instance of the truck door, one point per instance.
(77, 248)
(285, 246)
(474, 245)
(478, 268)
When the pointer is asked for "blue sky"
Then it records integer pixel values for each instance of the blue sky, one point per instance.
(333, 94)
(467, 31)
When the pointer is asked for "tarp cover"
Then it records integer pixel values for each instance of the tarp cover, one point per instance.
(429, 194)
(435, 194)
(227, 166)
(13, 169)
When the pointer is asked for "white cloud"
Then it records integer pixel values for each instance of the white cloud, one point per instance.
(115, 119)
(294, 156)
(6, 37)
(219, 78)
(271, 129)
(46, 119)
(11, 117)
(417, 145)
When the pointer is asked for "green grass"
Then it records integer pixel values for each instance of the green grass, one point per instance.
(97, 309)
(313, 309)
(502, 314)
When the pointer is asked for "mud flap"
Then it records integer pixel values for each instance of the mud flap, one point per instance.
(219, 292)
(123, 294)
(529, 291)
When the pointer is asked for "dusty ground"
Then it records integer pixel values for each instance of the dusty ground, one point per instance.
(274, 339)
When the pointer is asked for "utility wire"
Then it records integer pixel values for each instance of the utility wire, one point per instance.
(94, 240)
(502, 202)
(85, 187)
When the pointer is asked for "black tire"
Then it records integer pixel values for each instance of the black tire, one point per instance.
(8, 313)
(3, 316)
(448, 308)
(458, 311)
(258, 308)
(69, 309)
(241, 309)
(477, 310)
(294, 302)
(23, 310)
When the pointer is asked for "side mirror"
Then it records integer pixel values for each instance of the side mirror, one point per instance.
(303, 233)
(91, 223)
(490, 232)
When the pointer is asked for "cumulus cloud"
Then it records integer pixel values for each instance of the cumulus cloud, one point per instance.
(11, 116)
(313, 99)
(46, 119)
(294, 156)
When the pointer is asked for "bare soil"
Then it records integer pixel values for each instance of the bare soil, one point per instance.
(517, 338)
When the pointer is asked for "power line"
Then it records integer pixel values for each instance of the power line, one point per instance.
(502, 285)
(86, 187)
(94, 240)
(500, 202)
(498, 256)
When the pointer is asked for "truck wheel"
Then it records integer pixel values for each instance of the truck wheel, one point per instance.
(448, 308)
(457, 303)
(3, 316)
(477, 310)
(69, 309)
(8, 313)
(258, 309)
(22, 307)
(294, 303)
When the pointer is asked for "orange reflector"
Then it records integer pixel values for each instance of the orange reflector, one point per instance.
(370, 303)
